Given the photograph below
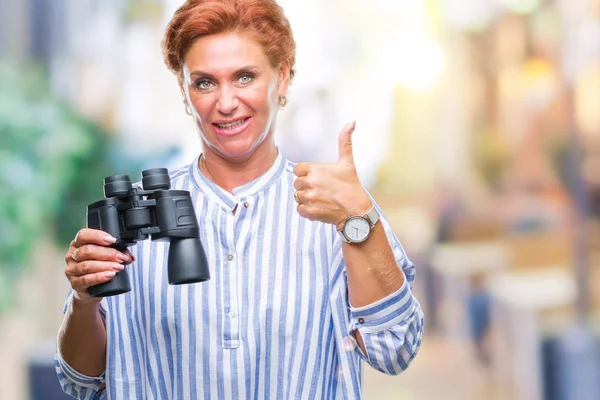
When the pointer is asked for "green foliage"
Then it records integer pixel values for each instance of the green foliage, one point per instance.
(491, 156)
(52, 163)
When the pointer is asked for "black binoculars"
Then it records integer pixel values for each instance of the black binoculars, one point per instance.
(131, 214)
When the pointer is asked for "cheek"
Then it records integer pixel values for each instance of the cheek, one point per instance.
(203, 105)
(263, 94)
(259, 100)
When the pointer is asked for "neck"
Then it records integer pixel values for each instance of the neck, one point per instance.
(230, 175)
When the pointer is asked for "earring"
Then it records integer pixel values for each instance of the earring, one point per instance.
(282, 101)
(188, 111)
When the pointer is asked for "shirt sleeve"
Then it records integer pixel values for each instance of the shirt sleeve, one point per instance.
(391, 328)
(74, 383)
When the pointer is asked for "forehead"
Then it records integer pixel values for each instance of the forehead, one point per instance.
(224, 52)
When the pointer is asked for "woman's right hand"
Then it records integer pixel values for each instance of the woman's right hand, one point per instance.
(90, 262)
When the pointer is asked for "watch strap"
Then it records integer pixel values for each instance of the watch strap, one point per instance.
(343, 236)
(373, 216)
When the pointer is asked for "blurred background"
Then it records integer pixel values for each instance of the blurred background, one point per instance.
(478, 132)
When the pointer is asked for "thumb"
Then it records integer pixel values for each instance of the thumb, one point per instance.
(345, 142)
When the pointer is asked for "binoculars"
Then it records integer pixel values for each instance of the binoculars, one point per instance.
(131, 214)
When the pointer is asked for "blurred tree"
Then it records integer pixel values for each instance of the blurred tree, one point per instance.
(52, 164)
(491, 156)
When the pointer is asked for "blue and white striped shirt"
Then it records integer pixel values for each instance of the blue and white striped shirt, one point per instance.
(273, 322)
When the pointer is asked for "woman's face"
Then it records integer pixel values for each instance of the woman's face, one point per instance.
(233, 93)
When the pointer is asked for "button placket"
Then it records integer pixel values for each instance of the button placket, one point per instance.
(231, 327)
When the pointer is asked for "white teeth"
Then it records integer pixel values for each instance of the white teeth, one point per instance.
(231, 125)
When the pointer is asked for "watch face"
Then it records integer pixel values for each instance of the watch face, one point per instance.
(357, 229)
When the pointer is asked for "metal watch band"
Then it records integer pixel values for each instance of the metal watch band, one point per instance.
(373, 216)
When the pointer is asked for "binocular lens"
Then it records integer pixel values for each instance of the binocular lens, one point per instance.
(156, 179)
(116, 185)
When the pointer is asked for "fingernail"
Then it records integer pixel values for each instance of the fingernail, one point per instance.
(118, 267)
(122, 257)
(353, 125)
(110, 274)
(109, 239)
(131, 254)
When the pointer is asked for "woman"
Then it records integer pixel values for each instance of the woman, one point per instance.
(307, 278)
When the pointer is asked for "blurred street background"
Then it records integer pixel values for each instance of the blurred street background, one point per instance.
(478, 132)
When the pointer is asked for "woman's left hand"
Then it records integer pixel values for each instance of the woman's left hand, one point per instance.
(330, 192)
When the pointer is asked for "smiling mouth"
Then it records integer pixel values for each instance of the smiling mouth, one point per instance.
(231, 125)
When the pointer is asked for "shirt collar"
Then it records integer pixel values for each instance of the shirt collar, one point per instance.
(228, 200)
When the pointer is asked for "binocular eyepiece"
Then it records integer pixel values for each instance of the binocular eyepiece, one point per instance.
(152, 179)
(131, 214)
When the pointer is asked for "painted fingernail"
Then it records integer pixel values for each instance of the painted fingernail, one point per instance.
(122, 257)
(118, 267)
(110, 274)
(109, 239)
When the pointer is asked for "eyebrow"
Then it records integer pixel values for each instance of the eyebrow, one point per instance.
(247, 68)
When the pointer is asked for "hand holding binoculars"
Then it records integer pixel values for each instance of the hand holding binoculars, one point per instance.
(131, 214)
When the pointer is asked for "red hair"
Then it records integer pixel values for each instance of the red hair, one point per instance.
(263, 20)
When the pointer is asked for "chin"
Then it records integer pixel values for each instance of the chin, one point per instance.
(236, 151)
(236, 154)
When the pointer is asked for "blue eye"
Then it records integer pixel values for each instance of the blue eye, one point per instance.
(244, 79)
(203, 84)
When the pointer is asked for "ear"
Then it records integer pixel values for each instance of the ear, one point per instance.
(180, 83)
(284, 78)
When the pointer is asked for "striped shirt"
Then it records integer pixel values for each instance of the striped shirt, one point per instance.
(273, 322)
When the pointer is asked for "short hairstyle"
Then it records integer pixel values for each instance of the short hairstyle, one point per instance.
(263, 20)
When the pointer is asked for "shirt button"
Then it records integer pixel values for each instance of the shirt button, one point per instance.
(230, 257)
(231, 314)
(361, 320)
(349, 343)
(246, 204)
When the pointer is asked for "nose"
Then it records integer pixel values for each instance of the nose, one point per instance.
(227, 100)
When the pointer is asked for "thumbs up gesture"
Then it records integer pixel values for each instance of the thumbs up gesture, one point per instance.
(330, 192)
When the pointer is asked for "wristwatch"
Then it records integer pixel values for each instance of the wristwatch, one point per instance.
(357, 228)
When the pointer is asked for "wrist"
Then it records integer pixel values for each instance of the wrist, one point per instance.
(85, 303)
(357, 228)
(359, 206)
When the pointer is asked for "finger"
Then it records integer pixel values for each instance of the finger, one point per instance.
(306, 211)
(301, 208)
(301, 169)
(92, 236)
(127, 252)
(297, 195)
(100, 253)
(92, 267)
(81, 283)
(306, 197)
(345, 142)
(300, 183)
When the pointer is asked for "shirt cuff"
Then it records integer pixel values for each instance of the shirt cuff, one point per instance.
(79, 379)
(394, 309)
